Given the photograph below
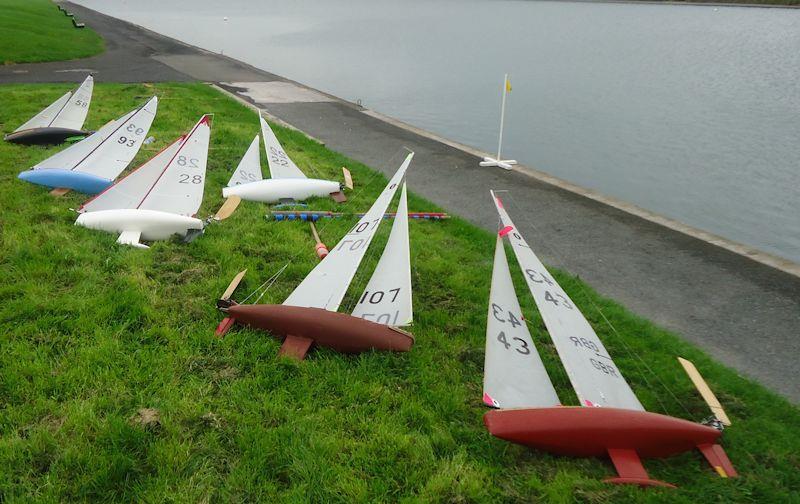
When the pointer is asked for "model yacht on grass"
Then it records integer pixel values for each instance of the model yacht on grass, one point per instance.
(160, 198)
(92, 164)
(610, 421)
(310, 314)
(59, 121)
(288, 182)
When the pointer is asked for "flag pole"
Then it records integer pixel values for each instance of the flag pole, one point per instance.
(500, 162)
(502, 116)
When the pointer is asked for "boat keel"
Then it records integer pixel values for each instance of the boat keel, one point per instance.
(295, 347)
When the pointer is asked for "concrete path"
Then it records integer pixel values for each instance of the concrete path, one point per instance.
(743, 312)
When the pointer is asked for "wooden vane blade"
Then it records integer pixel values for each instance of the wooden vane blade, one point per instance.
(705, 391)
(59, 191)
(232, 286)
(227, 208)
(348, 178)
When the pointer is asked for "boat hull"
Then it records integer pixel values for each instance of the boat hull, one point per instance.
(275, 190)
(339, 331)
(44, 136)
(69, 179)
(152, 224)
(620, 434)
(590, 432)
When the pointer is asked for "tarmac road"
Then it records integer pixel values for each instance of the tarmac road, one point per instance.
(743, 312)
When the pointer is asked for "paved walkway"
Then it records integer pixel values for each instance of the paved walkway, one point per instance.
(744, 313)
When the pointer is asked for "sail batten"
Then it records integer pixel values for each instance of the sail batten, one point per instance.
(387, 297)
(280, 164)
(326, 285)
(514, 376)
(593, 374)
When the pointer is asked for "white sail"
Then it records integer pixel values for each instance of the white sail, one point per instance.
(327, 283)
(73, 114)
(46, 116)
(249, 169)
(387, 297)
(513, 374)
(280, 165)
(69, 158)
(179, 189)
(594, 376)
(129, 190)
(122, 144)
(107, 152)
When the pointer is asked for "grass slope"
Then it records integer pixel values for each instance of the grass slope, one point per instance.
(92, 332)
(34, 30)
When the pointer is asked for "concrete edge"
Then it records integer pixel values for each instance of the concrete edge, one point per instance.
(247, 103)
(765, 258)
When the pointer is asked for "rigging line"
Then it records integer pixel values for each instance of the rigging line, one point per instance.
(272, 278)
(627, 348)
(275, 279)
(320, 229)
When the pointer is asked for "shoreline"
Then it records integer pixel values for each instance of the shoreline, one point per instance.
(688, 282)
(678, 3)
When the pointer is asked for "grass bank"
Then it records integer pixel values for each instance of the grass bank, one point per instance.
(91, 332)
(35, 30)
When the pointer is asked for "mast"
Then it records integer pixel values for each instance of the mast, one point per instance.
(505, 164)
(502, 115)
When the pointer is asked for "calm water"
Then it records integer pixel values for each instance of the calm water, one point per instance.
(691, 112)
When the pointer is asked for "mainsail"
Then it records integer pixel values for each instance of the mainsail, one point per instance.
(69, 111)
(249, 169)
(128, 191)
(107, 152)
(280, 165)
(179, 189)
(328, 282)
(514, 376)
(172, 181)
(387, 297)
(74, 112)
(594, 376)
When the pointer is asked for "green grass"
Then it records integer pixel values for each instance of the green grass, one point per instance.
(32, 31)
(93, 331)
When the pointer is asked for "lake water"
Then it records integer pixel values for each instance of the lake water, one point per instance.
(691, 112)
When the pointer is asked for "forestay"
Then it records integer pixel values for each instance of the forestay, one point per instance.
(327, 283)
(73, 114)
(280, 165)
(179, 189)
(513, 373)
(107, 152)
(249, 169)
(593, 374)
(129, 190)
(387, 297)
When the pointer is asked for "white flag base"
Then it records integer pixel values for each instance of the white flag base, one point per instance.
(505, 164)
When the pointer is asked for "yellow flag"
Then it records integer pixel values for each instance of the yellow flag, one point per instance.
(508, 84)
